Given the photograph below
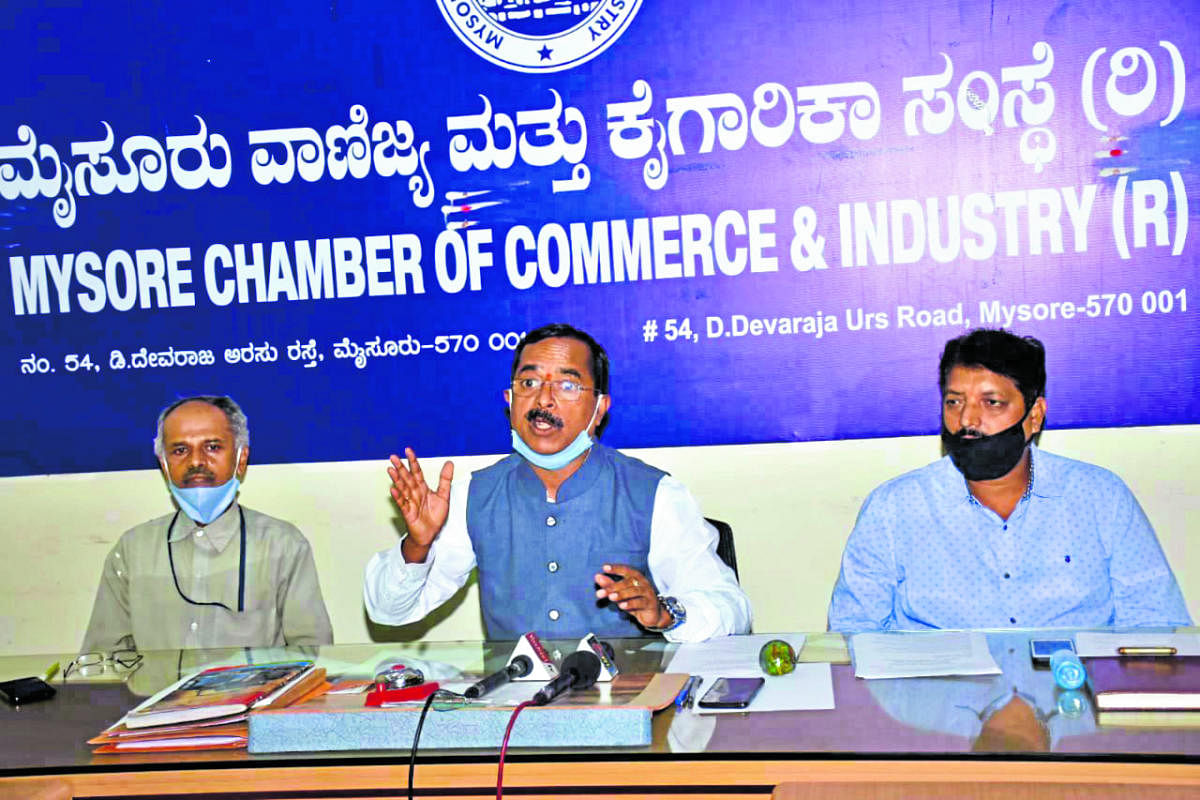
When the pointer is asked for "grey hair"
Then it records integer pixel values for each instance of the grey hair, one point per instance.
(233, 413)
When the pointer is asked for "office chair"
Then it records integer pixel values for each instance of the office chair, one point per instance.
(725, 547)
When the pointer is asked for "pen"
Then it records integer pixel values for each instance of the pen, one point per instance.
(691, 698)
(1146, 651)
(51, 671)
(685, 692)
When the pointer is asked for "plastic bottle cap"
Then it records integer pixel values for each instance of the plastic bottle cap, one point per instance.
(1068, 669)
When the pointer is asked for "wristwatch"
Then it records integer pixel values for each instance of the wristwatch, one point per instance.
(675, 609)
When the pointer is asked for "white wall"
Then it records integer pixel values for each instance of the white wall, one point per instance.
(791, 507)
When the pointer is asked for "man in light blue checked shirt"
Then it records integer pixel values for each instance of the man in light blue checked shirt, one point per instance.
(998, 533)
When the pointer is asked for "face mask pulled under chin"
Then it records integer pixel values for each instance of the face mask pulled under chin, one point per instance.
(552, 461)
(986, 458)
(203, 504)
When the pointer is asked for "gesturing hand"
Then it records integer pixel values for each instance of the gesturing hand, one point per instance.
(424, 510)
(633, 593)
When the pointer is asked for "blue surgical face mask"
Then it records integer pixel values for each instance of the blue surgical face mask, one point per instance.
(552, 461)
(205, 503)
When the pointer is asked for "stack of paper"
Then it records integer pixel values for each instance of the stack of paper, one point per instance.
(208, 710)
(917, 655)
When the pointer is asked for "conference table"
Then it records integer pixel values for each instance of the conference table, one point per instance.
(880, 733)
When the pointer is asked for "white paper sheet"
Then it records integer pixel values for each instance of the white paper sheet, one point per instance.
(808, 688)
(1106, 644)
(916, 655)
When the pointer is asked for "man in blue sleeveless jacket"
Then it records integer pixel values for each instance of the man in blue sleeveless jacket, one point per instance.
(569, 536)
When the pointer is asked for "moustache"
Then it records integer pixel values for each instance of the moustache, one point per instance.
(202, 472)
(535, 414)
(964, 433)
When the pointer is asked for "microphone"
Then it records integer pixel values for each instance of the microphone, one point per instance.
(579, 671)
(519, 667)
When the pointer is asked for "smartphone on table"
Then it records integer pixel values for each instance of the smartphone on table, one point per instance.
(731, 693)
(1040, 650)
(25, 690)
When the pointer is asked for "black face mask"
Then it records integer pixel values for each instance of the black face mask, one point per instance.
(986, 458)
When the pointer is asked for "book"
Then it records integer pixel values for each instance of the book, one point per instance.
(202, 743)
(183, 737)
(226, 691)
(219, 733)
(120, 731)
(1149, 719)
(1124, 683)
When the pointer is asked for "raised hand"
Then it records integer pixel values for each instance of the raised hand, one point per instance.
(424, 509)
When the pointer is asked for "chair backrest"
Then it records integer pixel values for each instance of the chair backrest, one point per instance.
(725, 547)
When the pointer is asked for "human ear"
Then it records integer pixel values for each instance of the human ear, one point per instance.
(602, 405)
(1037, 416)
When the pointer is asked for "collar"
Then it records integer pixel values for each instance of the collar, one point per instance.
(1044, 478)
(1049, 481)
(949, 484)
(218, 533)
(582, 479)
(1006, 696)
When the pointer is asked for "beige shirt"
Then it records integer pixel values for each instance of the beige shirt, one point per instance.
(138, 604)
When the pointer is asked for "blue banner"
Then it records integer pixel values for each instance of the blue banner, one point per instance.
(772, 214)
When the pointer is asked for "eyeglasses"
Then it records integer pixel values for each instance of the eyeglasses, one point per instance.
(563, 389)
(95, 663)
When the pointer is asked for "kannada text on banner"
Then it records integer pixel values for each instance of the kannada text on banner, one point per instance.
(772, 217)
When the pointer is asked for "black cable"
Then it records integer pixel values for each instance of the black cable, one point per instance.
(241, 568)
(412, 759)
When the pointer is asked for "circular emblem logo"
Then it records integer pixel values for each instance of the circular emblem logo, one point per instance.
(538, 35)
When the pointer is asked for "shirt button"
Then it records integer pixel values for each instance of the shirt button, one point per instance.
(554, 614)
(551, 522)
(1007, 576)
(1013, 620)
(1006, 526)
(199, 533)
(552, 566)
(195, 625)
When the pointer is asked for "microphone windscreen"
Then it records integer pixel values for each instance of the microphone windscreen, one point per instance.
(584, 666)
(520, 666)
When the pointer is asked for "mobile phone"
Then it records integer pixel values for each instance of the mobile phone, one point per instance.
(1040, 650)
(25, 690)
(731, 692)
